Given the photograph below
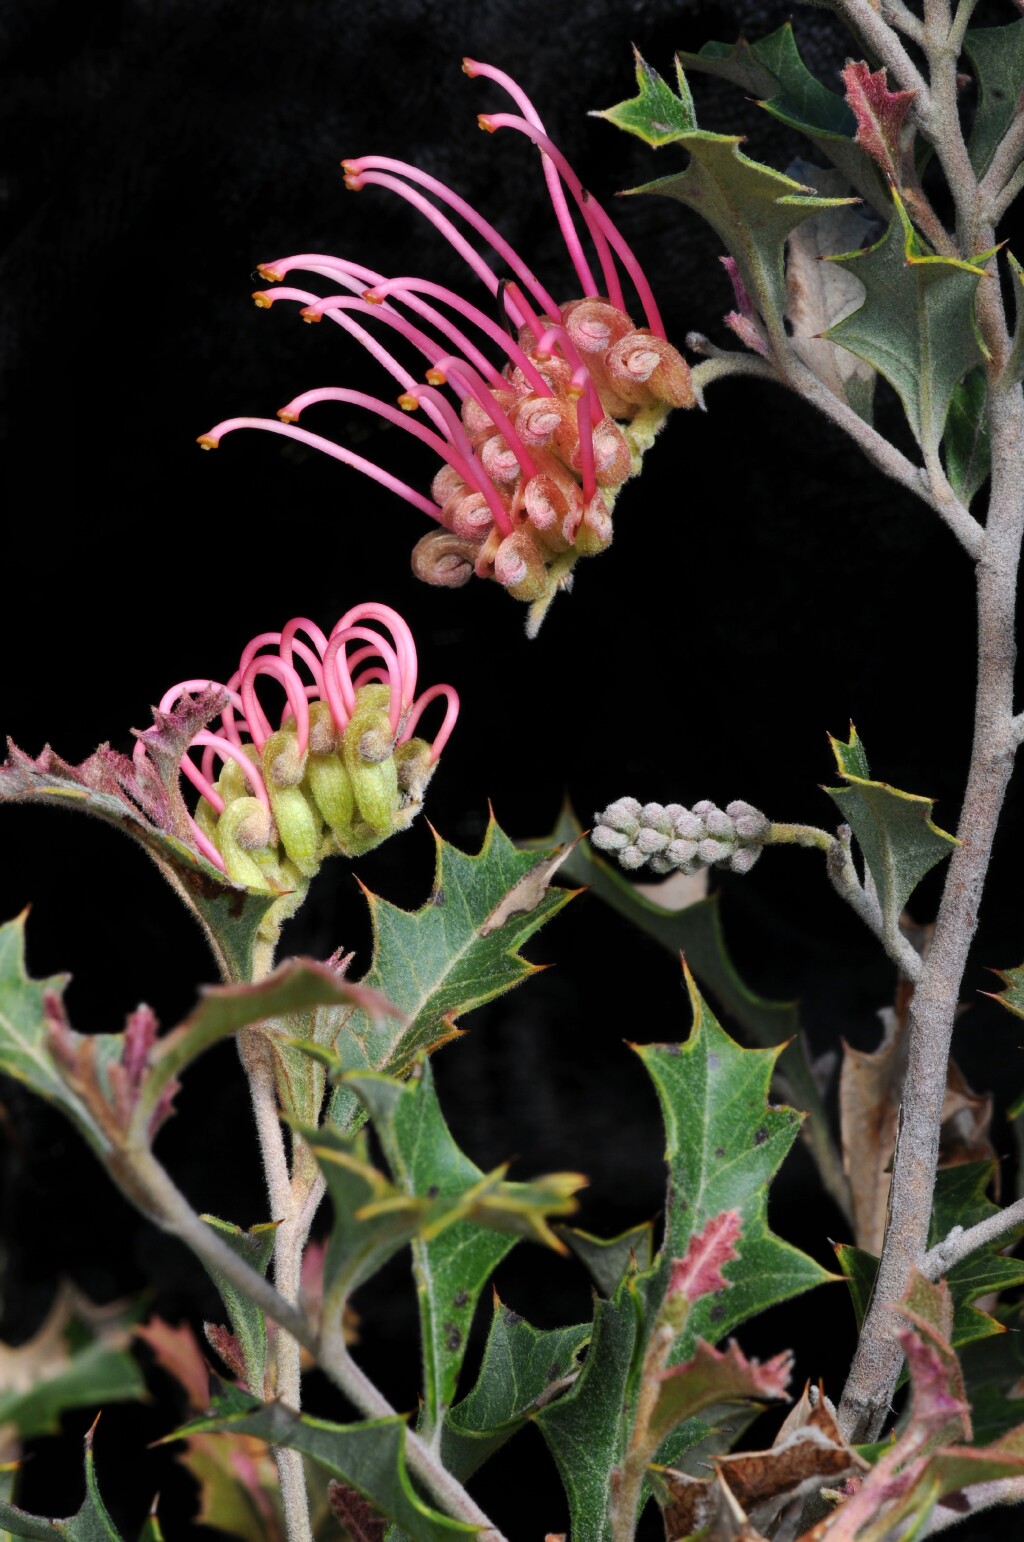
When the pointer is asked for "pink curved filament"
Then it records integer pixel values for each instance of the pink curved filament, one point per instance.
(392, 414)
(581, 381)
(228, 751)
(598, 234)
(459, 369)
(341, 696)
(496, 333)
(474, 474)
(402, 638)
(317, 442)
(631, 263)
(312, 631)
(584, 425)
(444, 733)
(256, 718)
(483, 227)
(473, 68)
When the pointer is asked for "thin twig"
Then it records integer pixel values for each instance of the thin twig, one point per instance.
(886, 46)
(961, 1244)
(977, 1496)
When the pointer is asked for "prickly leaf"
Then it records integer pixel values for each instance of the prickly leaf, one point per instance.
(894, 829)
(91, 1523)
(369, 1457)
(457, 951)
(609, 1258)
(248, 1323)
(966, 445)
(960, 1200)
(656, 114)
(523, 1370)
(916, 325)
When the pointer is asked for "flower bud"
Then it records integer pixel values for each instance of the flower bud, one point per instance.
(607, 839)
(719, 824)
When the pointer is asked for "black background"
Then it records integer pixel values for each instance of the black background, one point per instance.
(764, 588)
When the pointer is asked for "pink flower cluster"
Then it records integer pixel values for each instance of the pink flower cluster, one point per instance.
(538, 440)
(342, 768)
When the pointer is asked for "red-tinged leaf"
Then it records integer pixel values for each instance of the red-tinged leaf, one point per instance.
(711, 1378)
(937, 1406)
(700, 1272)
(178, 1353)
(880, 114)
(361, 1521)
(225, 1344)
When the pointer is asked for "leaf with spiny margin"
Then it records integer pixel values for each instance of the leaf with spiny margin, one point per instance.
(774, 73)
(369, 1457)
(94, 1375)
(92, 1523)
(248, 1323)
(894, 829)
(374, 1217)
(144, 800)
(859, 1269)
(608, 1258)
(1012, 998)
(966, 444)
(586, 1430)
(522, 1371)
(724, 1144)
(457, 951)
(997, 59)
(696, 932)
(916, 325)
(451, 1266)
(656, 115)
(994, 1378)
(750, 207)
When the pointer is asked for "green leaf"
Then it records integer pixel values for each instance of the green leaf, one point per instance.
(696, 932)
(802, 102)
(994, 1370)
(369, 1457)
(248, 1323)
(94, 1376)
(1012, 998)
(916, 325)
(457, 951)
(24, 1040)
(146, 803)
(894, 830)
(453, 1266)
(724, 1144)
(859, 1269)
(523, 1369)
(751, 208)
(966, 445)
(92, 1522)
(737, 62)
(585, 1430)
(997, 58)
(960, 1200)
(608, 1259)
(656, 115)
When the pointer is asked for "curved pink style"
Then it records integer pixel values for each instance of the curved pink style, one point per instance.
(387, 648)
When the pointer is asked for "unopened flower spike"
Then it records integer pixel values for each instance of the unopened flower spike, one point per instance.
(553, 404)
(341, 767)
(669, 838)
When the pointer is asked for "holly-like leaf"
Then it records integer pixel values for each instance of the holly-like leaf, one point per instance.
(696, 932)
(916, 325)
(523, 1370)
(894, 829)
(248, 1323)
(997, 59)
(144, 800)
(608, 1259)
(752, 210)
(1012, 998)
(369, 1457)
(452, 1265)
(966, 444)
(880, 114)
(994, 1378)
(724, 1144)
(78, 1358)
(656, 114)
(713, 1378)
(91, 1523)
(457, 951)
(859, 1269)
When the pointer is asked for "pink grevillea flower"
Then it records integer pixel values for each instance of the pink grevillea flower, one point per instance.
(551, 408)
(342, 769)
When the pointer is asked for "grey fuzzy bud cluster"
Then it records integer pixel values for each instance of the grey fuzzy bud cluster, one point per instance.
(666, 837)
